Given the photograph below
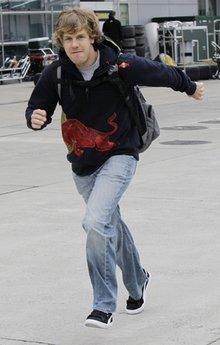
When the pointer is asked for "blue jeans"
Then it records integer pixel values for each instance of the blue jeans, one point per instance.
(109, 241)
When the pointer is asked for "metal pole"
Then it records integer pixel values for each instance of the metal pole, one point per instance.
(184, 50)
(45, 25)
(2, 39)
(52, 25)
(46, 18)
(207, 7)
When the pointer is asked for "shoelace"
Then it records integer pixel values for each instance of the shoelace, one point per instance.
(133, 301)
(100, 314)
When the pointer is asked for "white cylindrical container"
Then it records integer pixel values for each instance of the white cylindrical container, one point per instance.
(152, 38)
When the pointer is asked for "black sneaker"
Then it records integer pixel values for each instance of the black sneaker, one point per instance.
(137, 306)
(99, 319)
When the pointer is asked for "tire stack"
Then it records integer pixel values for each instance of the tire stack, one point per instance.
(204, 72)
(128, 39)
(140, 40)
(193, 72)
(133, 41)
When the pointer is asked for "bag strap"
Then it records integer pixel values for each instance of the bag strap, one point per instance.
(59, 84)
(129, 94)
(59, 81)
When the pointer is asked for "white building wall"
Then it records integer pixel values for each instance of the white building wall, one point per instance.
(141, 12)
(98, 5)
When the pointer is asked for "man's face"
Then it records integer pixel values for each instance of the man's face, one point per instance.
(78, 47)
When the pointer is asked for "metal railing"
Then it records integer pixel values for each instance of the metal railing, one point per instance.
(15, 73)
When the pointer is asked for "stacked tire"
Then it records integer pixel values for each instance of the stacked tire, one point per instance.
(204, 72)
(128, 39)
(140, 40)
(133, 41)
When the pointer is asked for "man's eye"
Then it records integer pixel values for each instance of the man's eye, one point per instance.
(80, 37)
(67, 38)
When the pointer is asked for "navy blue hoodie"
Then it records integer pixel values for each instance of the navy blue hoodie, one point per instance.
(95, 120)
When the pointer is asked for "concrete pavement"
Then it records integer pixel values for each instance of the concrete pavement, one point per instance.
(172, 207)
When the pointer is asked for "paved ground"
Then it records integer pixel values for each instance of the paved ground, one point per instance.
(172, 206)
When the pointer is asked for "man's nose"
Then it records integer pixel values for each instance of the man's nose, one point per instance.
(74, 43)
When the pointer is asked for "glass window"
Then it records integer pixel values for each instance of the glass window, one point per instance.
(212, 11)
(202, 7)
(207, 7)
(124, 14)
(23, 5)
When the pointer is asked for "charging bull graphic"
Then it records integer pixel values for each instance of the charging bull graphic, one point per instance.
(78, 137)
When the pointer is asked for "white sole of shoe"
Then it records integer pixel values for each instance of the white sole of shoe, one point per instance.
(98, 324)
(139, 310)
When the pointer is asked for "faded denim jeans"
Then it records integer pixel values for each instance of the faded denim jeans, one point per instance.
(109, 241)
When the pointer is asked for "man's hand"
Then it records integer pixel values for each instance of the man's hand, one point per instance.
(38, 118)
(200, 91)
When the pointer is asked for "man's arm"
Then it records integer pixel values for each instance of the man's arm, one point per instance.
(120, 30)
(105, 28)
(144, 72)
(42, 102)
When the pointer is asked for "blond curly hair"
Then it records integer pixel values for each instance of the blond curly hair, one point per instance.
(76, 19)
